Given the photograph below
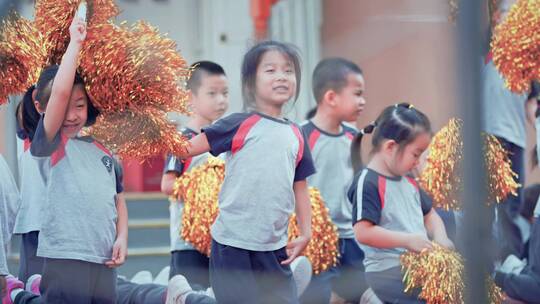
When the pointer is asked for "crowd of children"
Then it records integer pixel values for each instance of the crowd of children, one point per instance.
(72, 216)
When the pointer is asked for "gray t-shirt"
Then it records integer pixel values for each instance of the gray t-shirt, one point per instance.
(79, 213)
(396, 204)
(504, 110)
(9, 206)
(332, 158)
(176, 208)
(32, 190)
(264, 157)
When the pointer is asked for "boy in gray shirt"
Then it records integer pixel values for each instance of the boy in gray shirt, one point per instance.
(338, 87)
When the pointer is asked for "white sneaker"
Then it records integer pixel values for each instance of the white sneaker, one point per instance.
(142, 277)
(512, 264)
(302, 271)
(163, 276)
(178, 290)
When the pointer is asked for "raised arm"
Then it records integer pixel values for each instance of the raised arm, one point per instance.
(63, 82)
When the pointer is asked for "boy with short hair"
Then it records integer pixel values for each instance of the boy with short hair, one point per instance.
(338, 87)
(209, 100)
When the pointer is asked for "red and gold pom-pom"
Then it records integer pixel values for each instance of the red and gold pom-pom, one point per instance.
(322, 250)
(441, 176)
(199, 189)
(501, 177)
(133, 67)
(139, 135)
(22, 55)
(438, 274)
(53, 18)
(516, 45)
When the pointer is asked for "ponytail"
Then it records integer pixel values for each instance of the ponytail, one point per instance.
(29, 115)
(356, 146)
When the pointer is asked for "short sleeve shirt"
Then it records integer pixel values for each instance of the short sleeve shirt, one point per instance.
(264, 157)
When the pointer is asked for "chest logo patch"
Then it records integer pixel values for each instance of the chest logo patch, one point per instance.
(107, 162)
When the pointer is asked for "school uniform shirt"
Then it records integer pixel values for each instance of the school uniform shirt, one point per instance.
(9, 205)
(332, 158)
(393, 203)
(504, 110)
(264, 157)
(32, 189)
(176, 208)
(79, 213)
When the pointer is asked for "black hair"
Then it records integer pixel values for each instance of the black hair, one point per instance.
(44, 88)
(331, 74)
(311, 113)
(29, 116)
(401, 122)
(530, 194)
(251, 62)
(200, 69)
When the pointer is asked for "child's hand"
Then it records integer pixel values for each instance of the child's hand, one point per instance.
(3, 285)
(445, 242)
(418, 242)
(294, 248)
(119, 253)
(77, 30)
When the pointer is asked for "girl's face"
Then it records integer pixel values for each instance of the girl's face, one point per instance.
(403, 161)
(77, 112)
(275, 82)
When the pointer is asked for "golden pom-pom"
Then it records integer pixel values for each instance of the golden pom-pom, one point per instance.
(22, 55)
(501, 177)
(53, 18)
(441, 176)
(133, 67)
(516, 46)
(438, 273)
(322, 250)
(199, 190)
(138, 135)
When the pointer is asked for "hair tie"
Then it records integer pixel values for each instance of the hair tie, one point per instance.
(369, 128)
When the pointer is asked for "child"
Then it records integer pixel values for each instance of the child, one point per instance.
(505, 117)
(83, 232)
(9, 204)
(338, 87)
(27, 222)
(520, 280)
(268, 162)
(209, 98)
(391, 214)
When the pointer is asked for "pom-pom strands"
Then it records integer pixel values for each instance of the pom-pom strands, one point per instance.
(138, 135)
(199, 190)
(53, 18)
(133, 68)
(441, 176)
(516, 46)
(322, 250)
(501, 178)
(438, 273)
(22, 55)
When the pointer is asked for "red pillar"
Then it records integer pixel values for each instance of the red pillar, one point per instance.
(260, 13)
